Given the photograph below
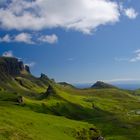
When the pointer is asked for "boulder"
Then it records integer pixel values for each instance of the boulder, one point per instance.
(20, 99)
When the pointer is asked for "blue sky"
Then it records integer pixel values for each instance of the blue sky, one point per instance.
(74, 47)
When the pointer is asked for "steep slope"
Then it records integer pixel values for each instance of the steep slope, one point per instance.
(21, 123)
(16, 77)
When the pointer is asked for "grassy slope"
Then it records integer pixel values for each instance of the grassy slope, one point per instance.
(19, 123)
(113, 111)
(30, 121)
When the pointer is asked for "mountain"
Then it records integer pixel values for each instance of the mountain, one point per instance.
(12, 66)
(65, 84)
(15, 76)
(100, 85)
(38, 108)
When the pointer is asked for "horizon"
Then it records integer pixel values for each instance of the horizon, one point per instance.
(75, 49)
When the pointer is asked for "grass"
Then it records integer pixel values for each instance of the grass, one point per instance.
(20, 123)
(68, 113)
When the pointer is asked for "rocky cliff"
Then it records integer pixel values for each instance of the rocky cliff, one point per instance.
(12, 66)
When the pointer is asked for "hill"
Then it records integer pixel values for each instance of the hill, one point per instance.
(39, 109)
(65, 84)
(100, 85)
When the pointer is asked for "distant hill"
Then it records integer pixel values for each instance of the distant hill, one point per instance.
(100, 85)
(65, 84)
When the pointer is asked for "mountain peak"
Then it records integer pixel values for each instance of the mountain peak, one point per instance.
(12, 66)
(100, 84)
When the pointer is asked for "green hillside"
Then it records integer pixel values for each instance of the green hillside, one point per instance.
(34, 108)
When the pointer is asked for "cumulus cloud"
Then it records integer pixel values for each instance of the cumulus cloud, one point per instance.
(24, 37)
(8, 54)
(29, 38)
(136, 57)
(5, 38)
(49, 38)
(130, 13)
(81, 15)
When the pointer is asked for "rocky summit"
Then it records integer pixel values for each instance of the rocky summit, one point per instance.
(12, 66)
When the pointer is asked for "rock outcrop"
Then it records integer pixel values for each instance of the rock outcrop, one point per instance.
(12, 66)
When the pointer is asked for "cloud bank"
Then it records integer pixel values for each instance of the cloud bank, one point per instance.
(80, 15)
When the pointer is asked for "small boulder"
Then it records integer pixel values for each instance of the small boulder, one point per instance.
(20, 99)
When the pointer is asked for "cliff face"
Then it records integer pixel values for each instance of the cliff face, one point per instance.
(12, 66)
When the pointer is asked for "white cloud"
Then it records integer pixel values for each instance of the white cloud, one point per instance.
(80, 15)
(130, 13)
(28, 38)
(24, 37)
(49, 39)
(123, 80)
(136, 57)
(8, 54)
(5, 38)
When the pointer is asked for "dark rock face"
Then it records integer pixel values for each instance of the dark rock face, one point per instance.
(44, 78)
(21, 65)
(27, 68)
(9, 66)
(50, 91)
(12, 66)
(99, 85)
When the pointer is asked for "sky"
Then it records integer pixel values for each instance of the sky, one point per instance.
(77, 41)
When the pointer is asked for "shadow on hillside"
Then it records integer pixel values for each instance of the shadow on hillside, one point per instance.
(108, 123)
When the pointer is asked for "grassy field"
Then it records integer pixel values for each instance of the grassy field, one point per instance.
(20, 123)
(69, 113)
